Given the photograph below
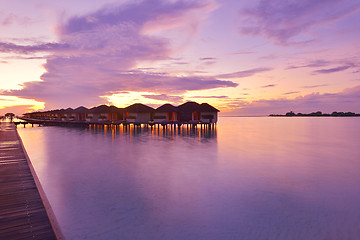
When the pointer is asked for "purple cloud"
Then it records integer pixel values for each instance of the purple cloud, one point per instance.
(315, 86)
(135, 14)
(198, 83)
(181, 63)
(97, 55)
(282, 20)
(56, 89)
(165, 97)
(313, 64)
(246, 73)
(28, 49)
(25, 58)
(332, 70)
(210, 97)
(207, 58)
(269, 85)
(288, 93)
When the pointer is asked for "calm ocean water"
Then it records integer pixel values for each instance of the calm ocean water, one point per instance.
(251, 178)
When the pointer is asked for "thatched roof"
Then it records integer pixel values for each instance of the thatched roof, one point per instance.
(205, 107)
(69, 110)
(58, 111)
(115, 109)
(189, 107)
(81, 110)
(100, 109)
(105, 109)
(138, 108)
(166, 108)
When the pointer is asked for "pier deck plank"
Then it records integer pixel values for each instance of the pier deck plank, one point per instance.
(22, 212)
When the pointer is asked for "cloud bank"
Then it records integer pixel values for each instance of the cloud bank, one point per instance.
(281, 20)
(97, 53)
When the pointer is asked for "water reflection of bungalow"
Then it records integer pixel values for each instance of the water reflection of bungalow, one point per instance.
(165, 113)
(138, 113)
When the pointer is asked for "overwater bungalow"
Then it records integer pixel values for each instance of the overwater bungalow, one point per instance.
(104, 113)
(69, 114)
(59, 114)
(187, 113)
(52, 115)
(138, 113)
(197, 113)
(38, 115)
(166, 113)
(208, 114)
(80, 113)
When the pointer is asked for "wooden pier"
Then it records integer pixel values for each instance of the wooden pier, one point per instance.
(48, 122)
(164, 124)
(24, 210)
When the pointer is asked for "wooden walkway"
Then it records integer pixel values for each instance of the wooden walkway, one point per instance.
(82, 123)
(22, 211)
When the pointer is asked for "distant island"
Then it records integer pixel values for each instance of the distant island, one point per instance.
(317, 114)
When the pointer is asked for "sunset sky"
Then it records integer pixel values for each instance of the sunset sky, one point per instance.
(247, 58)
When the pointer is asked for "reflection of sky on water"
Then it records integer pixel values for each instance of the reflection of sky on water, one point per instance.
(251, 178)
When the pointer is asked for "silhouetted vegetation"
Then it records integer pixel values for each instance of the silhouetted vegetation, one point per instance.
(317, 114)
